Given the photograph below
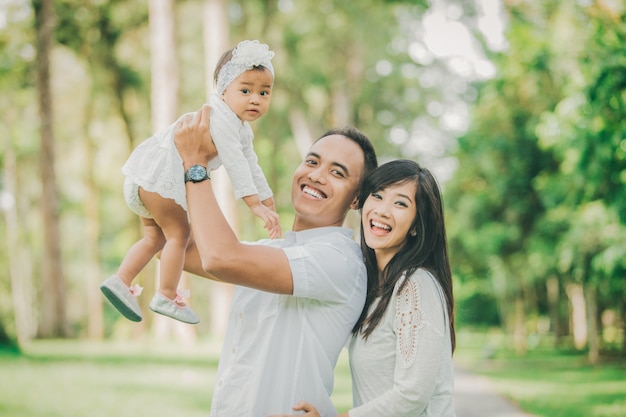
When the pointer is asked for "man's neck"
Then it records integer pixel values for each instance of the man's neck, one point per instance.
(299, 225)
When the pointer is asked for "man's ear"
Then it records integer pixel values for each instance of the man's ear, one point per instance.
(355, 204)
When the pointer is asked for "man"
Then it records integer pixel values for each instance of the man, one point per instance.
(296, 299)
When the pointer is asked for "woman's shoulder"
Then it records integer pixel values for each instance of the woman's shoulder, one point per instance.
(421, 280)
(420, 275)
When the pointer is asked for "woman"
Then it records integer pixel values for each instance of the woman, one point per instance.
(402, 345)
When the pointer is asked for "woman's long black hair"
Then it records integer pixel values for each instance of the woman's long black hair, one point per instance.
(428, 249)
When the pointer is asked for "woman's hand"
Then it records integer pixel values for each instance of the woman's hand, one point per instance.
(309, 411)
(192, 137)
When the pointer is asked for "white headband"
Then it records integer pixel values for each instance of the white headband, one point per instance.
(247, 55)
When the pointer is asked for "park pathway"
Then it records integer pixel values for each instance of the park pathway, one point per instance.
(476, 397)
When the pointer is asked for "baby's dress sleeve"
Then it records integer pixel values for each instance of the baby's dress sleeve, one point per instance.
(260, 181)
(226, 130)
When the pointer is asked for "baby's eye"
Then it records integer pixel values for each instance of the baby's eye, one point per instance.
(265, 93)
(245, 90)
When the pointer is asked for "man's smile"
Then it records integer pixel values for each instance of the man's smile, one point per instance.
(313, 192)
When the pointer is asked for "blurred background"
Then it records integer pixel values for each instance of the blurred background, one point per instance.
(517, 106)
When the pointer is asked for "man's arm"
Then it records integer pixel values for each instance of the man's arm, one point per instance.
(222, 254)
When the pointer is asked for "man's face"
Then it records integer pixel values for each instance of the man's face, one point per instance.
(326, 182)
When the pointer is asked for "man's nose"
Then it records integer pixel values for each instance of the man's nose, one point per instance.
(317, 175)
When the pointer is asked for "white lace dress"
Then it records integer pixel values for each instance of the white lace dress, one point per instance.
(405, 366)
(156, 166)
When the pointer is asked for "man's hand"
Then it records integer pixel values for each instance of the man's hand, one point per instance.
(193, 138)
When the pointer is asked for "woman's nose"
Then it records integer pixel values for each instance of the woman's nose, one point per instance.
(382, 210)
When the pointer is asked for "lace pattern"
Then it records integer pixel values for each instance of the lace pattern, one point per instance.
(409, 320)
(247, 55)
(156, 166)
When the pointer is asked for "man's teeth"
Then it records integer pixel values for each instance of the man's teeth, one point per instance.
(312, 192)
(381, 225)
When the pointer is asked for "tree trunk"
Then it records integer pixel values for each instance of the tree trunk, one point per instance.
(215, 38)
(520, 333)
(301, 131)
(623, 310)
(106, 74)
(577, 314)
(552, 290)
(215, 43)
(499, 288)
(590, 294)
(340, 105)
(53, 321)
(164, 107)
(22, 291)
(164, 64)
(95, 319)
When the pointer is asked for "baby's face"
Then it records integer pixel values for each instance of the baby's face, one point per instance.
(249, 95)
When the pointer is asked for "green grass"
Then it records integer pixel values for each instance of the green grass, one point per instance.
(73, 379)
(82, 379)
(549, 383)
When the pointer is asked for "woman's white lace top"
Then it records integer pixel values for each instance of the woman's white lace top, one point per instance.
(405, 366)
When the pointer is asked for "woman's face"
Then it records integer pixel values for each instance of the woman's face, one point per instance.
(387, 216)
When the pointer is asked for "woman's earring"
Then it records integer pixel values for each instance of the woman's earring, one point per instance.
(413, 233)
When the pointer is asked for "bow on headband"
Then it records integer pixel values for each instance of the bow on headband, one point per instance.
(247, 55)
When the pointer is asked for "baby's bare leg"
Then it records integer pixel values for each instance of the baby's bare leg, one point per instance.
(173, 222)
(142, 251)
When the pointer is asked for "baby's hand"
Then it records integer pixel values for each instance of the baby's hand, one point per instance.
(270, 220)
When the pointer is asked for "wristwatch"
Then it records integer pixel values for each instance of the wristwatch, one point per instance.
(197, 173)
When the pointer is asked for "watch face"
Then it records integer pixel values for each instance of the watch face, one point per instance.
(197, 173)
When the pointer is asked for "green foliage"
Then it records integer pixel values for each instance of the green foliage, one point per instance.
(17, 51)
(541, 181)
(7, 344)
(475, 305)
(540, 190)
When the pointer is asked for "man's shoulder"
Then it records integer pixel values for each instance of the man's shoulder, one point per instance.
(333, 236)
(337, 249)
(319, 242)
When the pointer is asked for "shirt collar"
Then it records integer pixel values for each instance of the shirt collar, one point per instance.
(304, 235)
